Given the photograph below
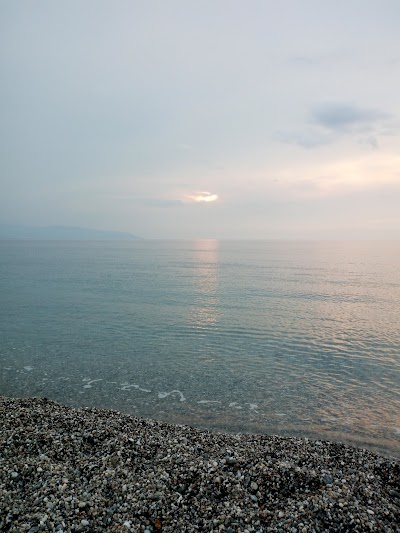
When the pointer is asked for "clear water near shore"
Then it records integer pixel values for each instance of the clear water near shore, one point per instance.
(295, 338)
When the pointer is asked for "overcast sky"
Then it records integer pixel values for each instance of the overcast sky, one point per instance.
(202, 119)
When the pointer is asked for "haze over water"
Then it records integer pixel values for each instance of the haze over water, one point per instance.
(293, 338)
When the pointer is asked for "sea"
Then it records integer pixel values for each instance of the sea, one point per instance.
(274, 337)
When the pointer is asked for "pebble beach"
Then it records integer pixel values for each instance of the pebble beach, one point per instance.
(66, 469)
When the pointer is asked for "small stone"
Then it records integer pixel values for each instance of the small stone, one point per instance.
(114, 460)
(370, 511)
(231, 461)
(156, 496)
(281, 514)
(14, 474)
(85, 522)
(327, 479)
(253, 486)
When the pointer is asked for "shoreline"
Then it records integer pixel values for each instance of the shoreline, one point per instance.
(88, 469)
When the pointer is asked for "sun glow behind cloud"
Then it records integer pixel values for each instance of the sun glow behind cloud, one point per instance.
(203, 196)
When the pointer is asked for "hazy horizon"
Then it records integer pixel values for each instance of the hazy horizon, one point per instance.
(116, 235)
(205, 120)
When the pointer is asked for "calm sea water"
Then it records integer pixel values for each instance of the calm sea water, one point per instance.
(293, 338)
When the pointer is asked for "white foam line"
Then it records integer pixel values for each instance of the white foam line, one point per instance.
(127, 386)
(235, 405)
(208, 401)
(165, 394)
(253, 406)
(89, 382)
(28, 368)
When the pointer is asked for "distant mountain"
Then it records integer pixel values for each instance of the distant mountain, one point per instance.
(66, 233)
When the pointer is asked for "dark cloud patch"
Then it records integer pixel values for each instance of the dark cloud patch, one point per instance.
(329, 122)
(343, 116)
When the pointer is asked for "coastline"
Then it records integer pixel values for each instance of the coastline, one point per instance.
(67, 469)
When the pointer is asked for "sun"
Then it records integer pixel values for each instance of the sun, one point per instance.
(203, 196)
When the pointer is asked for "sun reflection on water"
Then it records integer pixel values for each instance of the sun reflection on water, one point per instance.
(205, 312)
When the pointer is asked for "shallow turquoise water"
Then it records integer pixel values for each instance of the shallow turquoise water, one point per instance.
(295, 338)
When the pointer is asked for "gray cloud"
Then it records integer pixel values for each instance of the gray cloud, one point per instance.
(370, 142)
(344, 116)
(306, 139)
(148, 201)
(302, 60)
(151, 202)
(329, 121)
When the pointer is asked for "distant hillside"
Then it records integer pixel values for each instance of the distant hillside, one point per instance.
(69, 233)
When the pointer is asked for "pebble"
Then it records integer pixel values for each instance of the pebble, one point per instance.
(106, 471)
(328, 480)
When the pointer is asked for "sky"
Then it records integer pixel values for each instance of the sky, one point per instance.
(205, 119)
